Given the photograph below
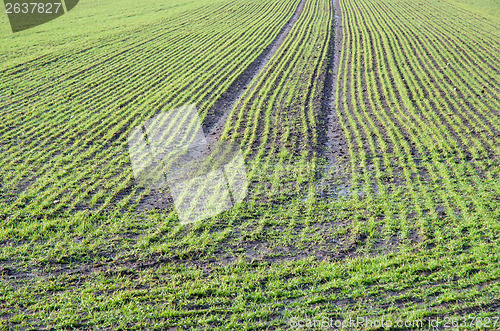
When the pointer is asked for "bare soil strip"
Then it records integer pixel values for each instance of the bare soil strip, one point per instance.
(335, 148)
(214, 122)
(336, 144)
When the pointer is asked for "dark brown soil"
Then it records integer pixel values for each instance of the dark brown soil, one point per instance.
(331, 135)
(335, 144)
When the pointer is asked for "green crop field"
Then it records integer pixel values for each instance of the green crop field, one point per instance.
(370, 133)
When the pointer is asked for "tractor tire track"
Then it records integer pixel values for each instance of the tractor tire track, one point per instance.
(215, 121)
(332, 138)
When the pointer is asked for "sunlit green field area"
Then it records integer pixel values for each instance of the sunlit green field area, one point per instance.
(399, 222)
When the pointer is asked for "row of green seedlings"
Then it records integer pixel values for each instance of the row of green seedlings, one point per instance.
(97, 24)
(281, 85)
(449, 166)
(357, 123)
(140, 71)
(373, 100)
(280, 93)
(369, 115)
(128, 120)
(481, 32)
(100, 96)
(71, 57)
